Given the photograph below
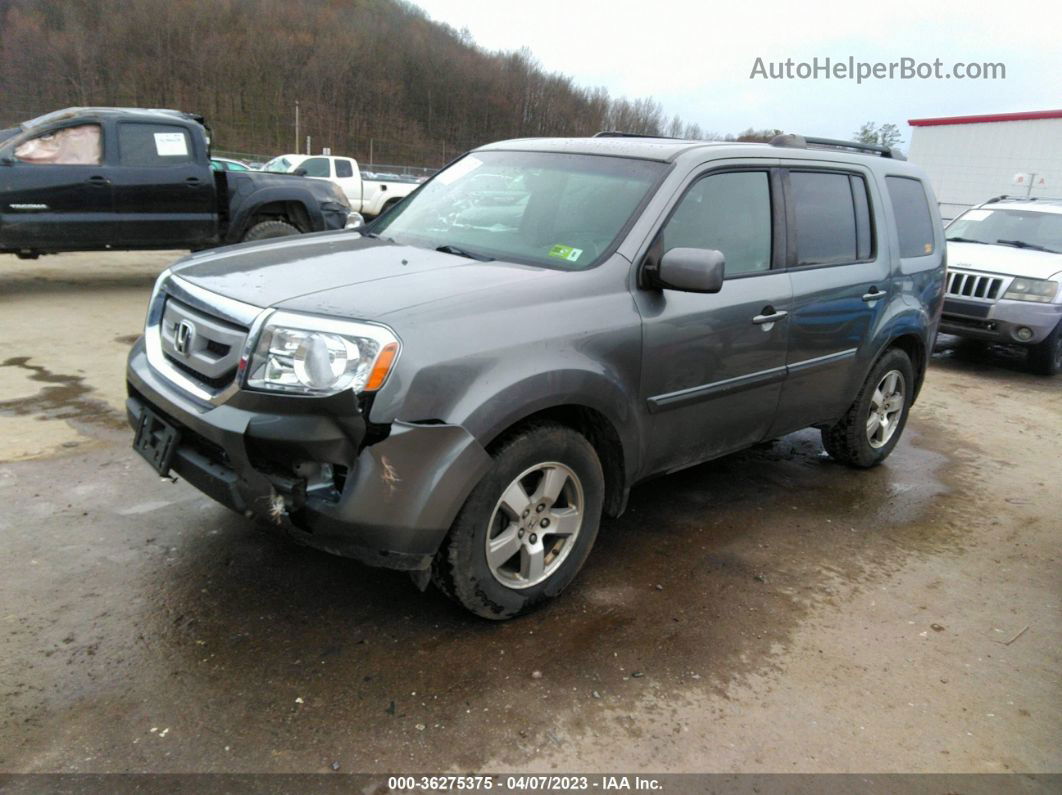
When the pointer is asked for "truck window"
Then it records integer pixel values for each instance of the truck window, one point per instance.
(153, 145)
(316, 167)
(831, 225)
(730, 212)
(344, 169)
(914, 224)
(71, 146)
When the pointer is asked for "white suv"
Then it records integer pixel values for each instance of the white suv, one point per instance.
(1004, 272)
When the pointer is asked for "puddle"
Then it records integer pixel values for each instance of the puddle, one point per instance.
(64, 398)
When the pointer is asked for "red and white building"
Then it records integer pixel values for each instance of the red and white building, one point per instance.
(970, 159)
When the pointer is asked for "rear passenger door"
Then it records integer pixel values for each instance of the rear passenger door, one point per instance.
(841, 280)
(713, 364)
(163, 188)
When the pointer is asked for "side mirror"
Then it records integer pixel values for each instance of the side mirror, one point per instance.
(692, 270)
(7, 160)
(355, 220)
(299, 172)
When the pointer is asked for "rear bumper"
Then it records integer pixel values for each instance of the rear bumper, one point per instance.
(1001, 321)
(389, 504)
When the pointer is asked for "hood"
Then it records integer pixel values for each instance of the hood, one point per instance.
(246, 181)
(346, 275)
(1006, 260)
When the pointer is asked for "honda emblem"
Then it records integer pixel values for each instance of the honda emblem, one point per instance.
(183, 335)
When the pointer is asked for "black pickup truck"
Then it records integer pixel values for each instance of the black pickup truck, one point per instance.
(84, 179)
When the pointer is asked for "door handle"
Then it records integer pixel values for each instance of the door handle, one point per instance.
(769, 316)
(193, 182)
(873, 295)
(98, 181)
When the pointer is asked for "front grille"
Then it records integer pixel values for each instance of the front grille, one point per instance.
(209, 348)
(966, 284)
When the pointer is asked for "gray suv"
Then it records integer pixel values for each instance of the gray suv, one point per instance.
(463, 388)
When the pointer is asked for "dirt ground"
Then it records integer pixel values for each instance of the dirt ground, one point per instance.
(768, 612)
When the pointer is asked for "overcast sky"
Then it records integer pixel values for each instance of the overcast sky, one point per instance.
(695, 57)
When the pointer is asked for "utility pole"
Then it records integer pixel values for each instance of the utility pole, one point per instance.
(296, 126)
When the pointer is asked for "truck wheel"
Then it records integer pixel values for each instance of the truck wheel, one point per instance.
(870, 429)
(526, 529)
(1045, 357)
(264, 230)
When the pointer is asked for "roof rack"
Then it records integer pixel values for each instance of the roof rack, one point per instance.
(619, 134)
(1006, 197)
(806, 142)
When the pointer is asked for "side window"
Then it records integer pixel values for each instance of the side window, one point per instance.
(344, 169)
(730, 212)
(914, 224)
(832, 217)
(80, 145)
(153, 145)
(316, 167)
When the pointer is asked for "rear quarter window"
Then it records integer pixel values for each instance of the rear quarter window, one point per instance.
(914, 222)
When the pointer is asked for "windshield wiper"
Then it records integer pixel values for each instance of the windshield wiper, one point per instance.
(460, 252)
(1023, 244)
(966, 240)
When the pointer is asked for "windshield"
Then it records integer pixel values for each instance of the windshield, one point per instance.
(1020, 228)
(278, 165)
(542, 208)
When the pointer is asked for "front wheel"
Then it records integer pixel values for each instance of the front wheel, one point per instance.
(871, 427)
(264, 230)
(526, 529)
(1045, 357)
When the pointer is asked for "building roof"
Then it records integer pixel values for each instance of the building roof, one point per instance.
(1030, 115)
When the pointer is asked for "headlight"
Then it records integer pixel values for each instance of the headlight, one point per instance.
(1042, 290)
(310, 355)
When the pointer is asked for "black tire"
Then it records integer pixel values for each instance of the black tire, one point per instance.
(1045, 358)
(264, 230)
(848, 440)
(460, 569)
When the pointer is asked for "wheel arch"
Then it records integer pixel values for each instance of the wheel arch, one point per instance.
(297, 208)
(598, 429)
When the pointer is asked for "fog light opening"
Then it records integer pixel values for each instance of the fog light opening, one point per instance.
(1024, 333)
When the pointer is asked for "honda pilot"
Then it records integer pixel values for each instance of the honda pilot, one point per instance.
(465, 387)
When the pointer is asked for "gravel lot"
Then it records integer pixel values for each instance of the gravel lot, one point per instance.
(770, 611)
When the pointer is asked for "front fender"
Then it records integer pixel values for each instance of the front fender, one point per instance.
(527, 396)
(242, 209)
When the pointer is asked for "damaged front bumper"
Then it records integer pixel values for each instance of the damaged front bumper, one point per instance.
(307, 464)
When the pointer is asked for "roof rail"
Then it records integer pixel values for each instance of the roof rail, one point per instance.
(806, 142)
(1006, 197)
(619, 134)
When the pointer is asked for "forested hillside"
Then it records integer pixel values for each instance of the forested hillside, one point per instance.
(366, 73)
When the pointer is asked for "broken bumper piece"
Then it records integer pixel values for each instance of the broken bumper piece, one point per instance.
(302, 465)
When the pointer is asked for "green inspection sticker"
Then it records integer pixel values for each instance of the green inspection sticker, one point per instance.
(566, 252)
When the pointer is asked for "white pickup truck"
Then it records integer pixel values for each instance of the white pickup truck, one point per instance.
(370, 197)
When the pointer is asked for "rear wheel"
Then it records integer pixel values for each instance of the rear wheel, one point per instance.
(871, 427)
(527, 528)
(1045, 357)
(264, 230)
